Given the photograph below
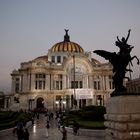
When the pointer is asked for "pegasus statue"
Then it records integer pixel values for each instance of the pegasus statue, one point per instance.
(119, 61)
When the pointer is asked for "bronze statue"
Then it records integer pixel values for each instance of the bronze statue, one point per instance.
(119, 62)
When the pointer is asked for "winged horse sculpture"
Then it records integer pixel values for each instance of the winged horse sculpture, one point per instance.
(119, 61)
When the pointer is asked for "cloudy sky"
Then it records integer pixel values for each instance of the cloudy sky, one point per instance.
(28, 28)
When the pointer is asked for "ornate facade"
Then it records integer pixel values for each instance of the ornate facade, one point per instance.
(65, 78)
(133, 86)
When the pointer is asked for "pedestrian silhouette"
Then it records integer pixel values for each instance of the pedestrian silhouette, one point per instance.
(26, 134)
(75, 128)
(64, 133)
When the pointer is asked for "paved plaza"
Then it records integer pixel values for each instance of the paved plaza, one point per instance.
(38, 131)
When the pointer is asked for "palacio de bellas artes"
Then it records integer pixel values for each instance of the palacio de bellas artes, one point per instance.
(65, 78)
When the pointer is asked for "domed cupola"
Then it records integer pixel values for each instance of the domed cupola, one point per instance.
(67, 45)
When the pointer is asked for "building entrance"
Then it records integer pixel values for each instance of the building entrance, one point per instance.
(40, 104)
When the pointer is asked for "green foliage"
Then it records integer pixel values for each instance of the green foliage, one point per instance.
(94, 113)
(9, 118)
(91, 117)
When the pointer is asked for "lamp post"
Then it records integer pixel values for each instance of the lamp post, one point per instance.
(56, 102)
(60, 105)
(74, 98)
(64, 104)
(67, 103)
(99, 99)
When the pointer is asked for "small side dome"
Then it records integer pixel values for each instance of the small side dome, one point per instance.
(94, 61)
(45, 57)
(67, 45)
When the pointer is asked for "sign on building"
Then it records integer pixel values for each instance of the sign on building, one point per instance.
(83, 94)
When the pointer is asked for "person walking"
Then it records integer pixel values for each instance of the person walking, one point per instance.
(19, 130)
(47, 127)
(64, 133)
(75, 128)
(26, 134)
(58, 122)
(20, 134)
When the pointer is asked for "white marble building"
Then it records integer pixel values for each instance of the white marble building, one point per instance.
(65, 78)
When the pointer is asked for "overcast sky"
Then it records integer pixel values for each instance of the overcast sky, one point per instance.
(28, 28)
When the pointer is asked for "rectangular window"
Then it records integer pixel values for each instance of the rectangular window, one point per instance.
(35, 84)
(58, 59)
(138, 88)
(36, 76)
(81, 84)
(60, 84)
(72, 84)
(76, 85)
(57, 85)
(53, 59)
(17, 87)
(40, 85)
(99, 87)
(43, 84)
(95, 85)
(40, 81)
(17, 79)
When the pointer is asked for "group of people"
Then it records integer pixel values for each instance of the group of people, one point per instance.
(22, 132)
(60, 125)
(64, 131)
(59, 121)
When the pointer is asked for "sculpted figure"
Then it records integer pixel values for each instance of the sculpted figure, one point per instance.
(119, 61)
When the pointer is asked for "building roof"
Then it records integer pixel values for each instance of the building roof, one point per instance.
(44, 57)
(95, 61)
(67, 45)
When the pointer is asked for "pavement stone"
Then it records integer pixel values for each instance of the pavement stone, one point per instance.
(38, 131)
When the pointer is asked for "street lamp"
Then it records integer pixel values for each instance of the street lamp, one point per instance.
(99, 99)
(64, 104)
(56, 102)
(74, 98)
(60, 105)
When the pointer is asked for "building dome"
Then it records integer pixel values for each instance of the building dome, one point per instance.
(67, 45)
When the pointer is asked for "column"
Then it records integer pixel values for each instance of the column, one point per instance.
(32, 82)
(25, 83)
(103, 82)
(107, 82)
(90, 81)
(13, 85)
(47, 82)
(64, 81)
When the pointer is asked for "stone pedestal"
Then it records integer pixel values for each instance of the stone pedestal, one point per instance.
(123, 118)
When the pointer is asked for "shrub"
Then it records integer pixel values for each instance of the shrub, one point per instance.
(90, 117)
(9, 119)
(94, 113)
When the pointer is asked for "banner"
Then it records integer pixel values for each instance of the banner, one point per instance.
(83, 94)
